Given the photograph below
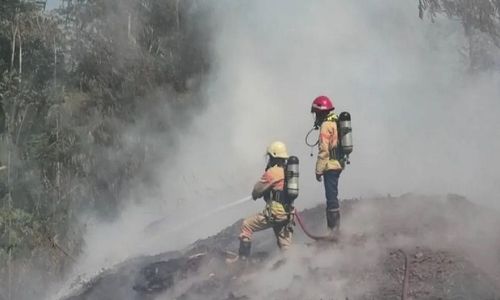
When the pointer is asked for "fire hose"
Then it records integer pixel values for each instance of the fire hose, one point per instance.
(309, 234)
(404, 290)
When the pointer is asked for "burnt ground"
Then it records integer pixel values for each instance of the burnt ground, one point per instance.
(452, 245)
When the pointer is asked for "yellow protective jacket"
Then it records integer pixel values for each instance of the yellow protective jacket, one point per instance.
(328, 140)
(272, 181)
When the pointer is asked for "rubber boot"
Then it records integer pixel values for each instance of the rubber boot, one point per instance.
(333, 221)
(243, 252)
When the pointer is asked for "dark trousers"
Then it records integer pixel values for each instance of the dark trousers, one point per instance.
(331, 179)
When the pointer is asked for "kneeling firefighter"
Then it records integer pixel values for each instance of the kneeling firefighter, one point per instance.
(333, 154)
(279, 187)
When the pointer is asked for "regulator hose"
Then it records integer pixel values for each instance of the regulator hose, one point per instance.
(307, 139)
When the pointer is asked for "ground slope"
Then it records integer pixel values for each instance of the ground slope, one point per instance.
(452, 246)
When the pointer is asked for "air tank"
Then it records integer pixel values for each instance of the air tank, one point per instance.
(292, 178)
(345, 130)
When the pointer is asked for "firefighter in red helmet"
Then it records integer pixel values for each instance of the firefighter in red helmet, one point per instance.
(328, 165)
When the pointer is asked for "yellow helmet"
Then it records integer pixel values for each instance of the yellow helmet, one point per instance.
(277, 149)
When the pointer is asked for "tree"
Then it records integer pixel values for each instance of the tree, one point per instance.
(481, 23)
(71, 83)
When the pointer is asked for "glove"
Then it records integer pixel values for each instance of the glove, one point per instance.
(318, 177)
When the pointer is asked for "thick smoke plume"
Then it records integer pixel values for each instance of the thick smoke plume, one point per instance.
(421, 122)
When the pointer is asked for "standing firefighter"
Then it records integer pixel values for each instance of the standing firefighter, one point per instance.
(279, 206)
(328, 164)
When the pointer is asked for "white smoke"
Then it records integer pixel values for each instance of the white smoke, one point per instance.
(421, 123)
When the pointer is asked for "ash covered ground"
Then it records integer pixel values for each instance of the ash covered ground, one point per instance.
(452, 245)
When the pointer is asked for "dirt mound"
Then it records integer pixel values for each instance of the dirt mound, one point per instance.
(451, 245)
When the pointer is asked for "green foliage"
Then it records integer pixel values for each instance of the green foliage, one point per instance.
(71, 84)
(18, 228)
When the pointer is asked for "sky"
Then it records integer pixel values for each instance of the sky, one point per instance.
(51, 4)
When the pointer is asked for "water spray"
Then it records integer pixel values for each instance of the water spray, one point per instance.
(154, 225)
(208, 214)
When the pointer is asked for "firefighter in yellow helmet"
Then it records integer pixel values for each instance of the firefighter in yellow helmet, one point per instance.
(278, 212)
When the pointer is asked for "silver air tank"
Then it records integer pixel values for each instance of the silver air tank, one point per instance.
(345, 134)
(292, 178)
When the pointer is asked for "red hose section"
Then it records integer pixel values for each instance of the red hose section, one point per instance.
(310, 235)
(404, 292)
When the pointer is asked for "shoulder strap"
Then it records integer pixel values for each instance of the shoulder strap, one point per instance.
(332, 117)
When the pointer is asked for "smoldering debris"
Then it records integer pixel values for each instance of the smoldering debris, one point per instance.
(446, 258)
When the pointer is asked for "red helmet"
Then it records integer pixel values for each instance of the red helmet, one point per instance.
(322, 104)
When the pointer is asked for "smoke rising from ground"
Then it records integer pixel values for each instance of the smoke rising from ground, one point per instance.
(402, 79)
(421, 122)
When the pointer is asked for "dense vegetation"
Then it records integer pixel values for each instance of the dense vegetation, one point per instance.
(72, 84)
(75, 82)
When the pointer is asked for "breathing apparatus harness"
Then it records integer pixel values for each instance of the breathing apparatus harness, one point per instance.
(290, 190)
(275, 195)
(344, 135)
(332, 117)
